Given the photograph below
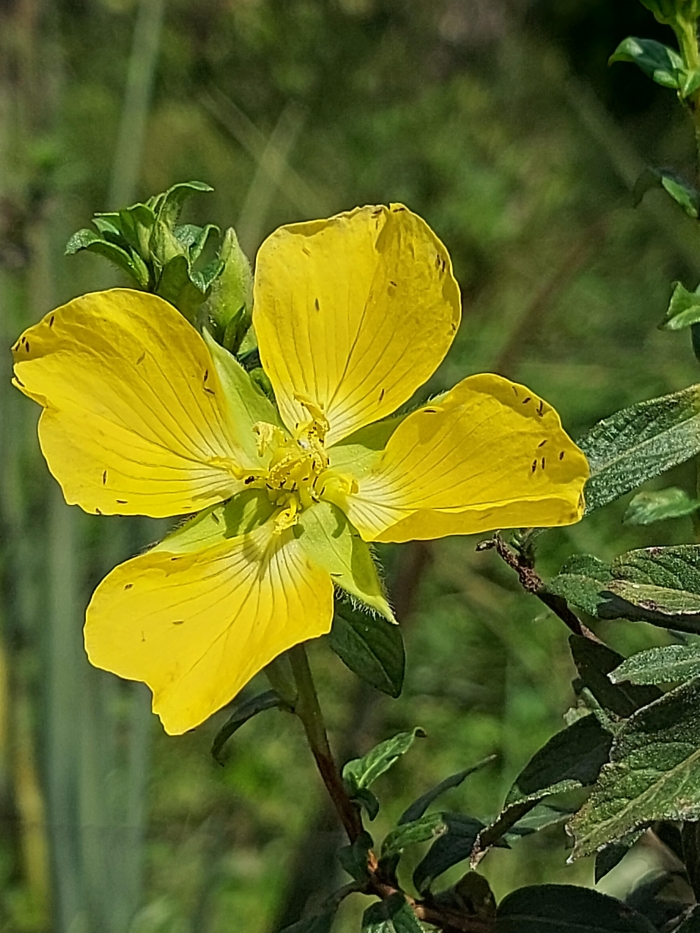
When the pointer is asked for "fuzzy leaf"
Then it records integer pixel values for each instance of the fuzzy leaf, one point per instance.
(648, 507)
(566, 908)
(666, 665)
(419, 806)
(361, 773)
(659, 62)
(407, 834)
(638, 443)
(240, 716)
(393, 915)
(370, 646)
(453, 846)
(653, 773)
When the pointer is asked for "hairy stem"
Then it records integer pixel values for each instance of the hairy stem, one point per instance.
(308, 710)
(686, 32)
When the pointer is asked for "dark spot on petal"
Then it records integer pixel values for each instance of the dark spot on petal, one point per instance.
(382, 394)
(526, 400)
(122, 501)
(335, 574)
(19, 381)
(534, 465)
(391, 282)
(453, 328)
(98, 511)
(51, 320)
(127, 586)
(316, 304)
(542, 443)
(515, 391)
(378, 211)
(540, 408)
(104, 477)
(306, 250)
(26, 345)
(430, 411)
(175, 558)
(399, 208)
(561, 455)
(216, 518)
(206, 375)
(543, 462)
(178, 621)
(141, 358)
(210, 391)
(248, 480)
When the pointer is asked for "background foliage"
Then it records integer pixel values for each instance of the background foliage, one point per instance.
(499, 123)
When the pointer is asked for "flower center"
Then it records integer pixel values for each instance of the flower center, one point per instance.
(297, 474)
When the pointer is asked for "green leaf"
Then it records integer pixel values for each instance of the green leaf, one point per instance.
(613, 854)
(130, 263)
(683, 309)
(170, 203)
(450, 848)
(566, 908)
(678, 188)
(366, 799)
(657, 61)
(354, 858)
(540, 817)
(321, 923)
(408, 834)
(594, 662)
(241, 715)
(370, 646)
(641, 442)
(394, 915)
(667, 665)
(653, 773)
(362, 772)
(572, 758)
(648, 507)
(660, 585)
(419, 806)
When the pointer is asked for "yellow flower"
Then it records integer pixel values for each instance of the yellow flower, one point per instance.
(143, 416)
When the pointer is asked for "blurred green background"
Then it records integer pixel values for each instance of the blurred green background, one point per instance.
(499, 122)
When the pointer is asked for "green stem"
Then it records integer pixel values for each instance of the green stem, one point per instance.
(686, 31)
(308, 710)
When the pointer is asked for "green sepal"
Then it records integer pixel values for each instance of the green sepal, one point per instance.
(230, 304)
(648, 507)
(659, 62)
(332, 543)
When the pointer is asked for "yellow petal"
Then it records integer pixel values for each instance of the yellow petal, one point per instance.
(135, 418)
(488, 454)
(196, 625)
(353, 313)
